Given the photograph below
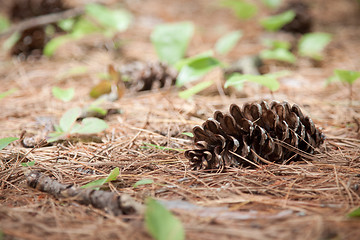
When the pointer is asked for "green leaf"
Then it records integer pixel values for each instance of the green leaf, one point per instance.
(162, 148)
(90, 125)
(347, 76)
(274, 23)
(99, 182)
(54, 136)
(4, 23)
(69, 118)
(196, 68)
(241, 8)
(274, 44)
(6, 141)
(171, 40)
(227, 42)
(183, 62)
(7, 93)
(143, 182)
(189, 134)
(10, 42)
(272, 3)
(28, 164)
(280, 54)
(63, 94)
(186, 94)
(161, 223)
(355, 213)
(312, 44)
(118, 19)
(67, 24)
(265, 80)
(84, 26)
(55, 43)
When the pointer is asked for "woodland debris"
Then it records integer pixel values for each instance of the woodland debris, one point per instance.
(148, 76)
(257, 133)
(110, 202)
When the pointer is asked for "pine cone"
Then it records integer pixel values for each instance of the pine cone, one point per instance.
(257, 133)
(148, 76)
(302, 23)
(32, 40)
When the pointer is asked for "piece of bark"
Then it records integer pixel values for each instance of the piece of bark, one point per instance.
(107, 201)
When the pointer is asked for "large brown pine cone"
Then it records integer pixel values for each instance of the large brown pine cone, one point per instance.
(32, 40)
(257, 133)
(147, 76)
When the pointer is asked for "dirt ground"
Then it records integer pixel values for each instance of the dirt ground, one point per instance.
(304, 200)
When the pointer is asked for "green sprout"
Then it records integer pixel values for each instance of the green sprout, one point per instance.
(7, 93)
(267, 80)
(312, 45)
(97, 19)
(171, 40)
(354, 213)
(196, 67)
(274, 23)
(99, 182)
(279, 50)
(68, 126)
(6, 141)
(161, 223)
(4, 23)
(345, 76)
(64, 95)
(227, 42)
(143, 182)
(272, 3)
(241, 8)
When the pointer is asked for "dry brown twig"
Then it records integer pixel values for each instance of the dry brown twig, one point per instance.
(108, 201)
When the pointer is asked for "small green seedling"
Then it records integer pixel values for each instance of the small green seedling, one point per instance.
(99, 182)
(312, 45)
(149, 145)
(28, 164)
(161, 223)
(7, 93)
(272, 3)
(355, 213)
(97, 19)
(267, 80)
(345, 76)
(241, 8)
(64, 95)
(274, 23)
(188, 93)
(171, 40)
(227, 42)
(68, 126)
(6, 141)
(189, 134)
(279, 54)
(143, 182)
(278, 50)
(4, 23)
(196, 67)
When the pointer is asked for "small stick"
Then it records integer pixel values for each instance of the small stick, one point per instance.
(107, 201)
(43, 20)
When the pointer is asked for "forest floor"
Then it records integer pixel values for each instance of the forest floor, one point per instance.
(302, 200)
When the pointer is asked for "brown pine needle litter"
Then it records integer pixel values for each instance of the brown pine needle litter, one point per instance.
(305, 199)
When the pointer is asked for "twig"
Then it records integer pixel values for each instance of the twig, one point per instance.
(42, 20)
(107, 201)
